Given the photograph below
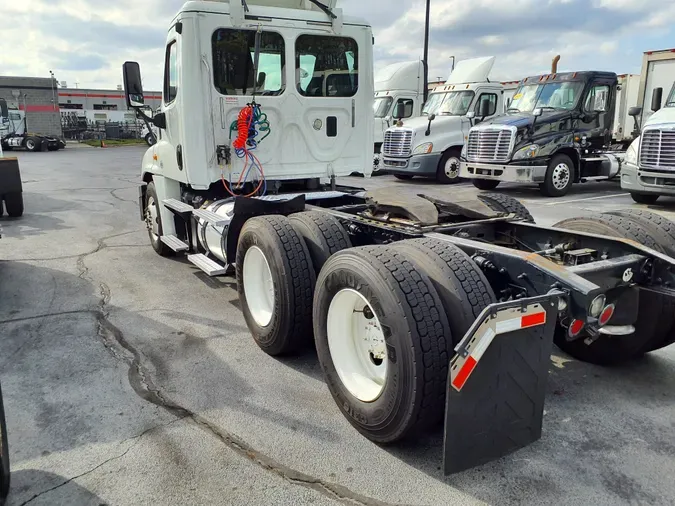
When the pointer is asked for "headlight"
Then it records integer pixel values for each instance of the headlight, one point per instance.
(423, 149)
(632, 152)
(527, 152)
(463, 153)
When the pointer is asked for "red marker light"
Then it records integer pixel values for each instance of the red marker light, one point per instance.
(606, 315)
(576, 327)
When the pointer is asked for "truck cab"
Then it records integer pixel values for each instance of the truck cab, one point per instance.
(556, 131)
(397, 87)
(429, 146)
(649, 165)
(305, 71)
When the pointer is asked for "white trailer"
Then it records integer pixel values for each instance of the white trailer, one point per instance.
(658, 71)
(261, 109)
(626, 97)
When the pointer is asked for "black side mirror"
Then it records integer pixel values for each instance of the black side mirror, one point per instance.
(4, 111)
(133, 86)
(159, 120)
(431, 118)
(657, 96)
(399, 110)
(484, 111)
(634, 111)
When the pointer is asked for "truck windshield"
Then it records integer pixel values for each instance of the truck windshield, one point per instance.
(381, 106)
(671, 98)
(433, 102)
(563, 95)
(456, 103)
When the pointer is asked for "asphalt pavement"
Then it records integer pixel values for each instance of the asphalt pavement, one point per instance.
(132, 379)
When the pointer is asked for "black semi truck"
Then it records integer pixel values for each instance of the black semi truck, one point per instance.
(557, 131)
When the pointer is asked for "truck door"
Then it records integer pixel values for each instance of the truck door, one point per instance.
(170, 153)
(597, 113)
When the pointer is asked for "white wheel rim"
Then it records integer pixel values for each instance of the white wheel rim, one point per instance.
(357, 345)
(152, 218)
(30, 144)
(258, 286)
(561, 176)
(452, 167)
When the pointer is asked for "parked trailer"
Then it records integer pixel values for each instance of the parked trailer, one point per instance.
(417, 306)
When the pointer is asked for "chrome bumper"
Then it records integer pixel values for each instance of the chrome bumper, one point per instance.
(503, 172)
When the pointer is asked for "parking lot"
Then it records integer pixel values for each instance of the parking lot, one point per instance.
(132, 379)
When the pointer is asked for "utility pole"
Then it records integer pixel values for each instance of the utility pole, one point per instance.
(53, 94)
(426, 52)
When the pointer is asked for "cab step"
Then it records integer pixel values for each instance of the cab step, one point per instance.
(178, 206)
(207, 265)
(210, 217)
(174, 243)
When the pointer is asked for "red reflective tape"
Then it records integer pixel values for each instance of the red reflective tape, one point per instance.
(464, 372)
(533, 320)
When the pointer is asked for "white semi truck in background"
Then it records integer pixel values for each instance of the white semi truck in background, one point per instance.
(429, 146)
(399, 83)
(649, 165)
(414, 305)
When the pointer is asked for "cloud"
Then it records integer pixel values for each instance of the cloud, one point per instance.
(86, 41)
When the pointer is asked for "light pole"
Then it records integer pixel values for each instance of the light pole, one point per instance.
(426, 52)
(453, 64)
(53, 94)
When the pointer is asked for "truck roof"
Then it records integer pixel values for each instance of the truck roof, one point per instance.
(400, 76)
(583, 75)
(284, 9)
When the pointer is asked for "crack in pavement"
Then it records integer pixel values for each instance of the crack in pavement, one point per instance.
(112, 193)
(141, 382)
(116, 457)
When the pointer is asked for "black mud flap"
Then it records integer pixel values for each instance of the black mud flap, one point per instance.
(497, 382)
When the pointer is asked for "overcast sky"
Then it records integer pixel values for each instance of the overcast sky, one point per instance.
(86, 41)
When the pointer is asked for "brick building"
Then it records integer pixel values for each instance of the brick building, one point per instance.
(101, 100)
(35, 95)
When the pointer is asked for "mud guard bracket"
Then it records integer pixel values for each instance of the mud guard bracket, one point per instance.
(497, 382)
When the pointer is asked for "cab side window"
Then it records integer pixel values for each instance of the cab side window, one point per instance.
(597, 99)
(407, 106)
(491, 98)
(171, 73)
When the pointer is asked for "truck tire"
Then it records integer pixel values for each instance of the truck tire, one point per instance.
(448, 167)
(150, 139)
(4, 455)
(14, 204)
(382, 340)
(650, 327)
(645, 198)
(323, 234)
(275, 281)
(663, 232)
(153, 221)
(461, 285)
(33, 144)
(559, 177)
(485, 184)
(501, 203)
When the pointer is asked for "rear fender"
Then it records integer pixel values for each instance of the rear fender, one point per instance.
(497, 382)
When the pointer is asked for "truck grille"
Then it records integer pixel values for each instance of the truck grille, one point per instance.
(657, 150)
(397, 142)
(490, 144)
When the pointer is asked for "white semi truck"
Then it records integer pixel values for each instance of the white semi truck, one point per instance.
(649, 165)
(416, 306)
(399, 83)
(430, 146)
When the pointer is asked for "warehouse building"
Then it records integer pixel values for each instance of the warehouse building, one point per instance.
(44, 100)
